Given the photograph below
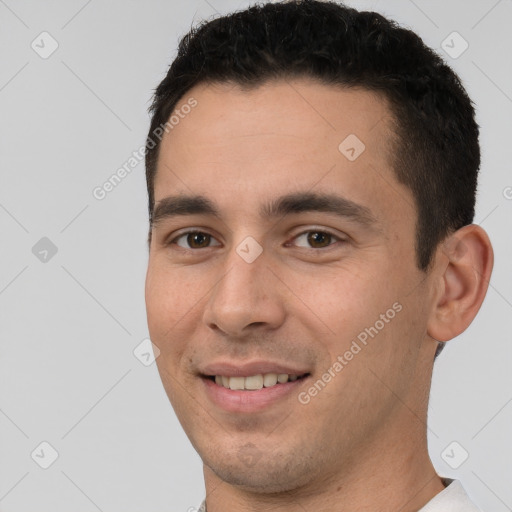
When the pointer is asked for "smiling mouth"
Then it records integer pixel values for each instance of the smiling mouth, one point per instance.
(254, 382)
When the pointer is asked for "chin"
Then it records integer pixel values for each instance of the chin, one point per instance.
(256, 472)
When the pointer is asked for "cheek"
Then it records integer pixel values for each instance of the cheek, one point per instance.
(168, 290)
(167, 301)
(344, 300)
(174, 302)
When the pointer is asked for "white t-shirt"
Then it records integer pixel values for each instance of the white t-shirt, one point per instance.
(452, 499)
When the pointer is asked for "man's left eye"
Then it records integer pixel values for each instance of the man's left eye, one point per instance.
(317, 239)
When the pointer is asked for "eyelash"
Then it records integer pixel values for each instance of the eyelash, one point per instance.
(195, 231)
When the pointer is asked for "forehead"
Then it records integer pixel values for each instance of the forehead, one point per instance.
(292, 135)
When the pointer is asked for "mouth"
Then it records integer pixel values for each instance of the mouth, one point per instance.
(252, 387)
(254, 382)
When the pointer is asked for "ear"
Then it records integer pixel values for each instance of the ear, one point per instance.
(465, 260)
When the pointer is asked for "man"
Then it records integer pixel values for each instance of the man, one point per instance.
(311, 174)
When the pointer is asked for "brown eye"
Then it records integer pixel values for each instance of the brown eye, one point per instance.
(194, 240)
(315, 239)
(319, 239)
(198, 240)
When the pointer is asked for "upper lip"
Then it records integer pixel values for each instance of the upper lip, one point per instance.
(246, 369)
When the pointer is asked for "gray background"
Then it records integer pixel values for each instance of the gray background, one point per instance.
(70, 323)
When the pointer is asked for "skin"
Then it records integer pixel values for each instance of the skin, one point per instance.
(303, 304)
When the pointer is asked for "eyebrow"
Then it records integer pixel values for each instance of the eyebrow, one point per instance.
(301, 202)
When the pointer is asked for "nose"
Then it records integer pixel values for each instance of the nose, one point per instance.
(247, 297)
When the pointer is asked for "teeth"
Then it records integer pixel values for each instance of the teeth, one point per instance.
(254, 382)
(270, 379)
(236, 382)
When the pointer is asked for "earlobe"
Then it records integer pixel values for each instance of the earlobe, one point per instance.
(467, 258)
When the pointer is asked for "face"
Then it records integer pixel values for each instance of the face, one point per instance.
(283, 250)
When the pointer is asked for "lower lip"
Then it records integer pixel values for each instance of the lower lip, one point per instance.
(250, 401)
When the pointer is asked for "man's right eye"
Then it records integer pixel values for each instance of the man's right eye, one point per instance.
(193, 240)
